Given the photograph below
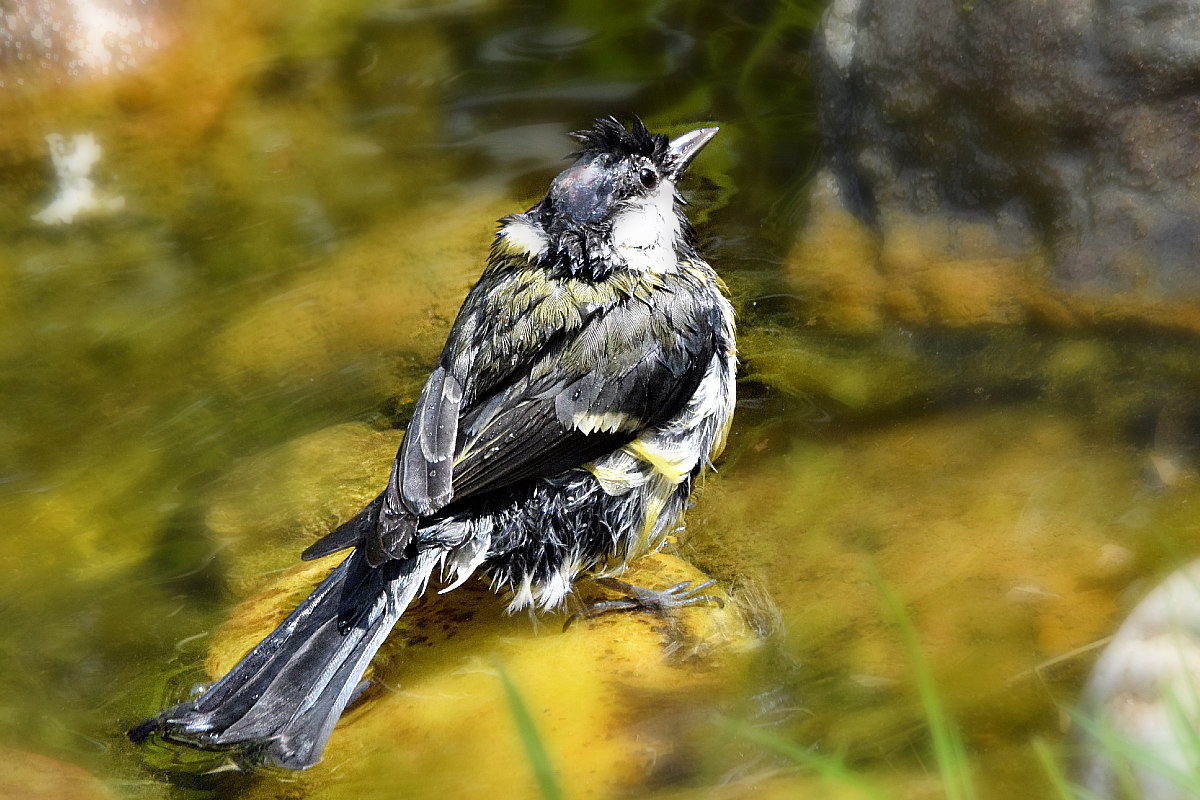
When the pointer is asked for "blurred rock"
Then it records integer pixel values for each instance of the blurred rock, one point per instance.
(225, 121)
(30, 776)
(1142, 701)
(387, 298)
(996, 163)
(270, 507)
(621, 701)
(1007, 562)
(618, 700)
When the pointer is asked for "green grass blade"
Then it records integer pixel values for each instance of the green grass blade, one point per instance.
(1054, 773)
(948, 747)
(829, 767)
(539, 759)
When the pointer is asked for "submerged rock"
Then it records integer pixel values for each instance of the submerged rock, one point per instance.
(269, 508)
(621, 701)
(1142, 701)
(30, 776)
(1009, 564)
(617, 701)
(1004, 560)
(998, 163)
(388, 297)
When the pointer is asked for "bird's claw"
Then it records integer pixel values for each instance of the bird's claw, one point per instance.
(639, 598)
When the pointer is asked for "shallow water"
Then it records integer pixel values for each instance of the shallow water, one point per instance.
(307, 194)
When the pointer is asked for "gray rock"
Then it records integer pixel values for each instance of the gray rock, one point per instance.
(1141, 707)
(1080, 116)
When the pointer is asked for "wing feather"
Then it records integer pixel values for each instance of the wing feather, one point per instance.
(576, 398)
(531, 430)
(427, 452)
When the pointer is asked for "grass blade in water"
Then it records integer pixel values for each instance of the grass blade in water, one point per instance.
(538, 758)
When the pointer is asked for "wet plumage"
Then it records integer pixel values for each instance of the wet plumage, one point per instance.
(588, 378)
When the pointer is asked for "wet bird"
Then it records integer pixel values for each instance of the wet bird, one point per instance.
(586, 382)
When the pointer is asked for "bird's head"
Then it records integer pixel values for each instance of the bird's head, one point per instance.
(615, 207)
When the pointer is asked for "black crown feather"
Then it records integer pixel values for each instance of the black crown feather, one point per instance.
(610, 136)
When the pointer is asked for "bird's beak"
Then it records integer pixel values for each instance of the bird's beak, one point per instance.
(684, 148)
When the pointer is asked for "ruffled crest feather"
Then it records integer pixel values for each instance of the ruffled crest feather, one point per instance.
(609, 136)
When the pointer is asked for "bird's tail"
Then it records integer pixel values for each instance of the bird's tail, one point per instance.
(281, 702)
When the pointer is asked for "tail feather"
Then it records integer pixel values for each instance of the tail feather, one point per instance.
(281, 702)
(348, 534)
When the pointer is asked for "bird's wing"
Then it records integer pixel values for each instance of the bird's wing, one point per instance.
(576, 399)
(626, 370)
(619, 377)
(419, 484)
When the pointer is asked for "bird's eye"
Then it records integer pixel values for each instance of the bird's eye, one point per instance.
(546, 213)
(648, 177)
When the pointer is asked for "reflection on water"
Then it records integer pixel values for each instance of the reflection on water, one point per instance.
(307, 196)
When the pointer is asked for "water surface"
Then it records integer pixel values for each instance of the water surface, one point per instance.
(307, 193)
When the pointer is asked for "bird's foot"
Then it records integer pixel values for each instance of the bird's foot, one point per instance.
(639, 598)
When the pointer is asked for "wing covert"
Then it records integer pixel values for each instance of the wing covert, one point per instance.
(425, 481)
(576, 398)
(597, 399)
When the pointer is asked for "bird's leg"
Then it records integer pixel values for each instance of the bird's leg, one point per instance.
(639, 598)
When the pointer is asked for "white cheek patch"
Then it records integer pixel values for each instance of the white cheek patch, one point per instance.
(644, 232)
(523, 237)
